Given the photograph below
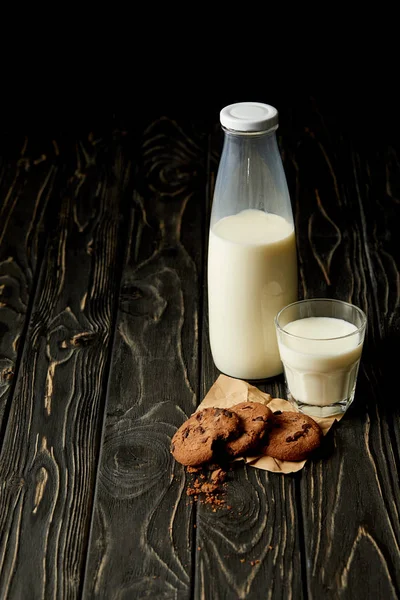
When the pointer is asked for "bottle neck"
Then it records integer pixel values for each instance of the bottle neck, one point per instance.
(251, 176)
(250, 146)
(249, 134)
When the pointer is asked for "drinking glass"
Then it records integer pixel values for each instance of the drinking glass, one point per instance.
(320, 344)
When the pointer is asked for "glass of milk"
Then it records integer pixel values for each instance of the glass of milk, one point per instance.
(252, 262)
(320, 343)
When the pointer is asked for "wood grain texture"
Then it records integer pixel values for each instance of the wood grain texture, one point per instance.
(50, 447)
(141, 542)
(26, 180)
(345, 212)
(74, 220)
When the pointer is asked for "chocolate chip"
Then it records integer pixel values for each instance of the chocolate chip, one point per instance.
(306, 426)
(289, 439)
(297, 435)
(185, 433)
(278, 412)
(199, 416)
(201, 430)
(227, 413)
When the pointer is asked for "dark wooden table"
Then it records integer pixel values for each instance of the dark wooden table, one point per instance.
(104, 352)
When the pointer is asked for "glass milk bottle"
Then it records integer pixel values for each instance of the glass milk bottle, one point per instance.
(252, 264)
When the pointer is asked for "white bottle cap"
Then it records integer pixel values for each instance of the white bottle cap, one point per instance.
(249, 116)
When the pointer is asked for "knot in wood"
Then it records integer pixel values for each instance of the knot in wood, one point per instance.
(7, 375)
(82, 340)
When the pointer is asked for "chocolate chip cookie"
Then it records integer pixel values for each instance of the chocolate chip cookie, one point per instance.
(293, 436)
(199, 439)
(255, 418)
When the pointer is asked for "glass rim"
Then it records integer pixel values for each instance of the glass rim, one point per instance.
(332, 301)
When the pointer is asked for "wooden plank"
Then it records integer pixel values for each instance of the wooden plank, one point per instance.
(26, 179)
(251, 550)
(50, 448)
(141, 541)
(346, 217)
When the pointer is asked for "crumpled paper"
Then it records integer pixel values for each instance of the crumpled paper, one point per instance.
(227, 391)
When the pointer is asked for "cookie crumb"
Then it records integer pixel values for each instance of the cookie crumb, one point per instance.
(218, 476)
(242, 560)
(193, 469)
(206, 486)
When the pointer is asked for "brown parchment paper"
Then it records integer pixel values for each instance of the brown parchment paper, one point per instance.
(227, 392)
